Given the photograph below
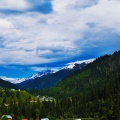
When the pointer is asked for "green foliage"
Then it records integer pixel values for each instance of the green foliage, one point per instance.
(94, 76)
(4, 118)
(93, 92)
(7, 96)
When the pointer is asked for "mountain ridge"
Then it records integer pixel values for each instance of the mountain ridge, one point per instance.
(7, 84)
(52, 79)
(94, 75)
(34, 76)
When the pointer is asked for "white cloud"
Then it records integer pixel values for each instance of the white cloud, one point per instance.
(14, 5)
(4, 24)
(32, 37)
(7, 78)
(38, 69)
(62, 6)
(12, 80)
(82, 61)
(105, 14)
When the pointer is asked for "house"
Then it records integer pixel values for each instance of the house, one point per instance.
(44, 119)
(9, 117)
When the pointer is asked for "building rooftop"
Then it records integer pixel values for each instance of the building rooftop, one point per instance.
(8, 116)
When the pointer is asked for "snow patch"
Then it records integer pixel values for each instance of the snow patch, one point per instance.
(72, 64)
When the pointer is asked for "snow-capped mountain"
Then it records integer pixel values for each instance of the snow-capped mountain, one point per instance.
(68, 68)
(34, 76)
(40, 74)
(73, 64)
(50, 78)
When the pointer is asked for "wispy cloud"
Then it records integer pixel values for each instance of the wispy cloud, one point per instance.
(72, 27)
(37, 69)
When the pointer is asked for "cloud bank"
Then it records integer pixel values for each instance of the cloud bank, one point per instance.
(70, 29)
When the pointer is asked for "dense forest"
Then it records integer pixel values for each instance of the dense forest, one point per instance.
(96, 74)
(93, 92)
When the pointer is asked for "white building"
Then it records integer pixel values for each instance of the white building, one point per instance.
(44, 119)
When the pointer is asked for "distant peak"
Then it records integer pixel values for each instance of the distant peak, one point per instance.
(73, 64)
(41, 73)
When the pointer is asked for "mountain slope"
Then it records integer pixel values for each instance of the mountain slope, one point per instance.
(6, 84)
(95, 75)
(51, 79)
(34, 76)
(8, 95)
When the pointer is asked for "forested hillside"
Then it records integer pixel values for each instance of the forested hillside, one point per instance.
(94, 76)
(94, 90)
(14, 102)
(6, 84)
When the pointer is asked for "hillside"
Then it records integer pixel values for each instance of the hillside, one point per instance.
(49, 80)
(93, 91)
(95, 75)
(6, 84)
(7, 95)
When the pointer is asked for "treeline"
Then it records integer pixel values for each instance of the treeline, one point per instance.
(104, 104)
(95, 74)
(93, 92)
(96, 89)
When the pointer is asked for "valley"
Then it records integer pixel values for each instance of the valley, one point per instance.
(90, 92)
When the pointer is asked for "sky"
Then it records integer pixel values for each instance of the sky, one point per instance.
(37, 35)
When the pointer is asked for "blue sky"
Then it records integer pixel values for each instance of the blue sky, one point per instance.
(49, 34)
